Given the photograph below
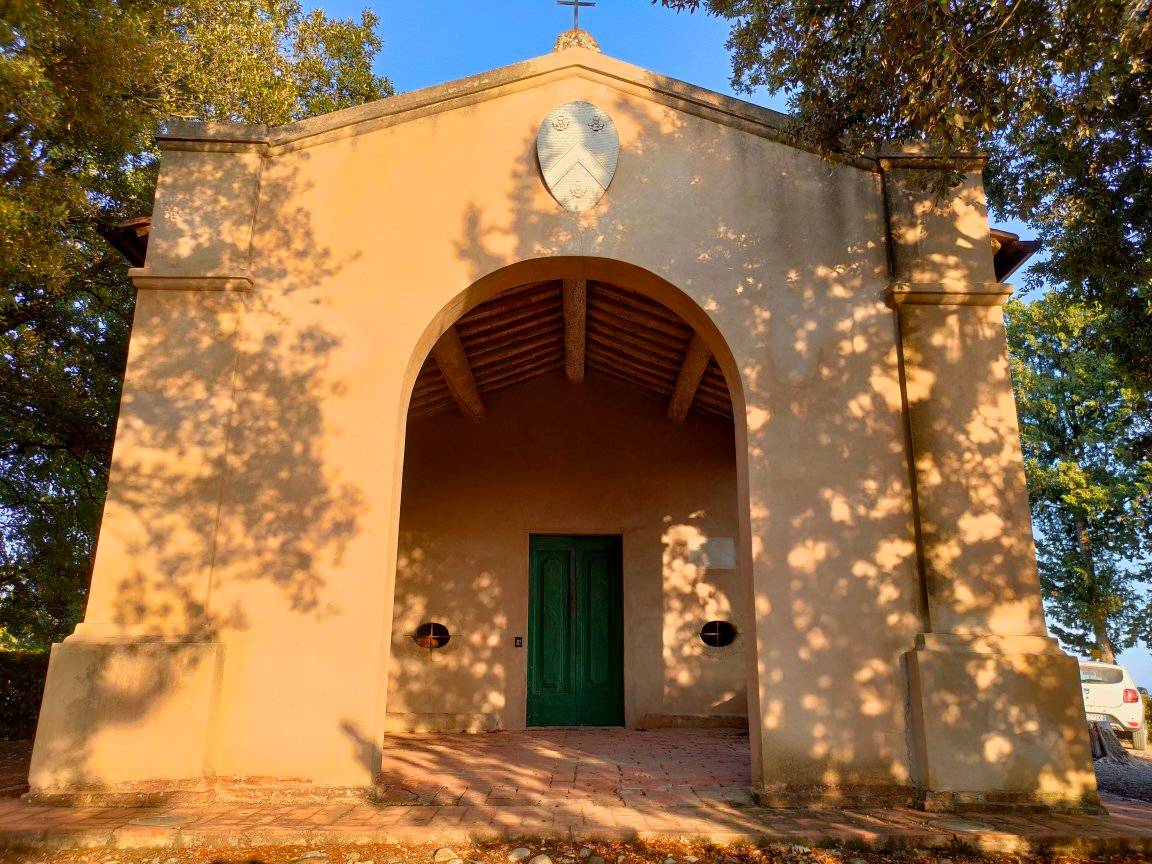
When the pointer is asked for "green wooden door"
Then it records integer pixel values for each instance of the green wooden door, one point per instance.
(575, 632)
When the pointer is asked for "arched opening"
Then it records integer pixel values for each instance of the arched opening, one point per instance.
(572, 524)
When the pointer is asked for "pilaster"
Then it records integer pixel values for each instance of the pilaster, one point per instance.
(995, 705)
(131, 695)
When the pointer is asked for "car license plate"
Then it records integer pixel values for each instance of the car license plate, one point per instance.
(1096, 718)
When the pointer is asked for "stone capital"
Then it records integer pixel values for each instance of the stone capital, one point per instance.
(917, 157)
(943, 294)
(160, 280)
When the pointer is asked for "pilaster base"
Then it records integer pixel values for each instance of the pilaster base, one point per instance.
(998, 723)
(794, 797)
(125, 710)
(203, 793)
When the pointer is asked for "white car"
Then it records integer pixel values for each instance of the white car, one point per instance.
(1110, 694)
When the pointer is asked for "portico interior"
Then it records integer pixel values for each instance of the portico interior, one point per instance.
(569, 408)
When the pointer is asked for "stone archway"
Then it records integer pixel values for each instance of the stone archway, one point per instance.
(557, 333)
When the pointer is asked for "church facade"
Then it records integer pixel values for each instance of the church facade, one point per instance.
(565, 394)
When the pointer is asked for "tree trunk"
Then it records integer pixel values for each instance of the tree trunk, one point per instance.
(1105, 744)
(1104, 647)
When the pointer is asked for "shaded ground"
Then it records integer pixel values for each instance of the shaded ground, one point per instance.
(1131, 781)
(632, 796)
(487, 766)
(632, 852)
(559, 853)
(14, 759)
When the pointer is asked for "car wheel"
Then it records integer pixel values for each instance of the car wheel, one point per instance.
(1140, 739)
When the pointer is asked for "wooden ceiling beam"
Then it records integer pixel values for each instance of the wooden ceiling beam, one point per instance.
(502, 354)
(703, 398)
(610, 370)
(639, 301)
(663, 361)
(428, 386)
(696, 360)
(500, 307)
(656, 377)
(575, 316)
(486, 375)
(579, 327)
(649, 362)
(598, 332)
(633, 315)
(453, 363)
(525, 373)
(435, 406)
(536, 313)
(528, 330)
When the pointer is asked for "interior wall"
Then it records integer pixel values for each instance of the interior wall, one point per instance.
(560, 458)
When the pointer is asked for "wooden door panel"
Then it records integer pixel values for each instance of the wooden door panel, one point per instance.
(601, 633)
(599, 666)
(554, 638)
(575, 632)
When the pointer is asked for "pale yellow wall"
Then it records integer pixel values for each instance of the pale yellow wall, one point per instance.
(554, 457)
(365, 246)
(361, 243)
(296, 279)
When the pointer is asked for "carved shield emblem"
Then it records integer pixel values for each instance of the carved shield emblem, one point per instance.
(578, 148)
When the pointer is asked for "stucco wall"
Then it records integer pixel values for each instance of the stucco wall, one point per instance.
(560, 458)
(366, 247)
(366, 243)
(297, 277)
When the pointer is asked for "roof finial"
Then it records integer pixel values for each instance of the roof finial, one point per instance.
(576, 6)
(575, 38)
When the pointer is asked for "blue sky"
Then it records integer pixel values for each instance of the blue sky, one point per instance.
(438, 40)
(434, 41)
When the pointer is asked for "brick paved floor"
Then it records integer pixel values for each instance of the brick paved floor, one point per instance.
(594, 784)
(670, 766)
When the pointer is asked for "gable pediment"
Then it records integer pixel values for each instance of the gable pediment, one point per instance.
(576, 62)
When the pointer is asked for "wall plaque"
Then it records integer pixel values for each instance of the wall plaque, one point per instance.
(578, 148)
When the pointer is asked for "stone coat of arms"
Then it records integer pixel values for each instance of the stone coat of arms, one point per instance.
(578, 148)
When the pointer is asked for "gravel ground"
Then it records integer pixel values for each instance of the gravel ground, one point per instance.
(553, 852)
(1133, 780)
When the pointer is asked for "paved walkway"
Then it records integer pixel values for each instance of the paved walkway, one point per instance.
(582, 783)
(527, 768)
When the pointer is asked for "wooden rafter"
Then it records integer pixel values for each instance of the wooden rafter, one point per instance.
(453, 363)
(575, 316)
(696, 360)
(575, 328)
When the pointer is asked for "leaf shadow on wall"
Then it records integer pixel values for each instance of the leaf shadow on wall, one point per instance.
(219, 482)
(839, 592)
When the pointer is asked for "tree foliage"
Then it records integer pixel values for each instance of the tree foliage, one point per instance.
(1057, 92)
(1090, 487)
(84, 85)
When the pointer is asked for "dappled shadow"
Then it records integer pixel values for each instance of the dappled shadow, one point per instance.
(224, 392)
(882, 551)
(222, 395)
(790, 258)
(567, 767)
(804, 316)
(558, 458)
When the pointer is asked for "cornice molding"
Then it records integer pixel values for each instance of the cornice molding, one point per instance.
(913, 158)
(143, 277)
(939, 294)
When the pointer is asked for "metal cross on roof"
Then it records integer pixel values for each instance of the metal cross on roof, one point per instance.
(575, 4)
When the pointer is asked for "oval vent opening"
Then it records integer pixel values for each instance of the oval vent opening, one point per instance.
(718, 634)
(431, 635)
